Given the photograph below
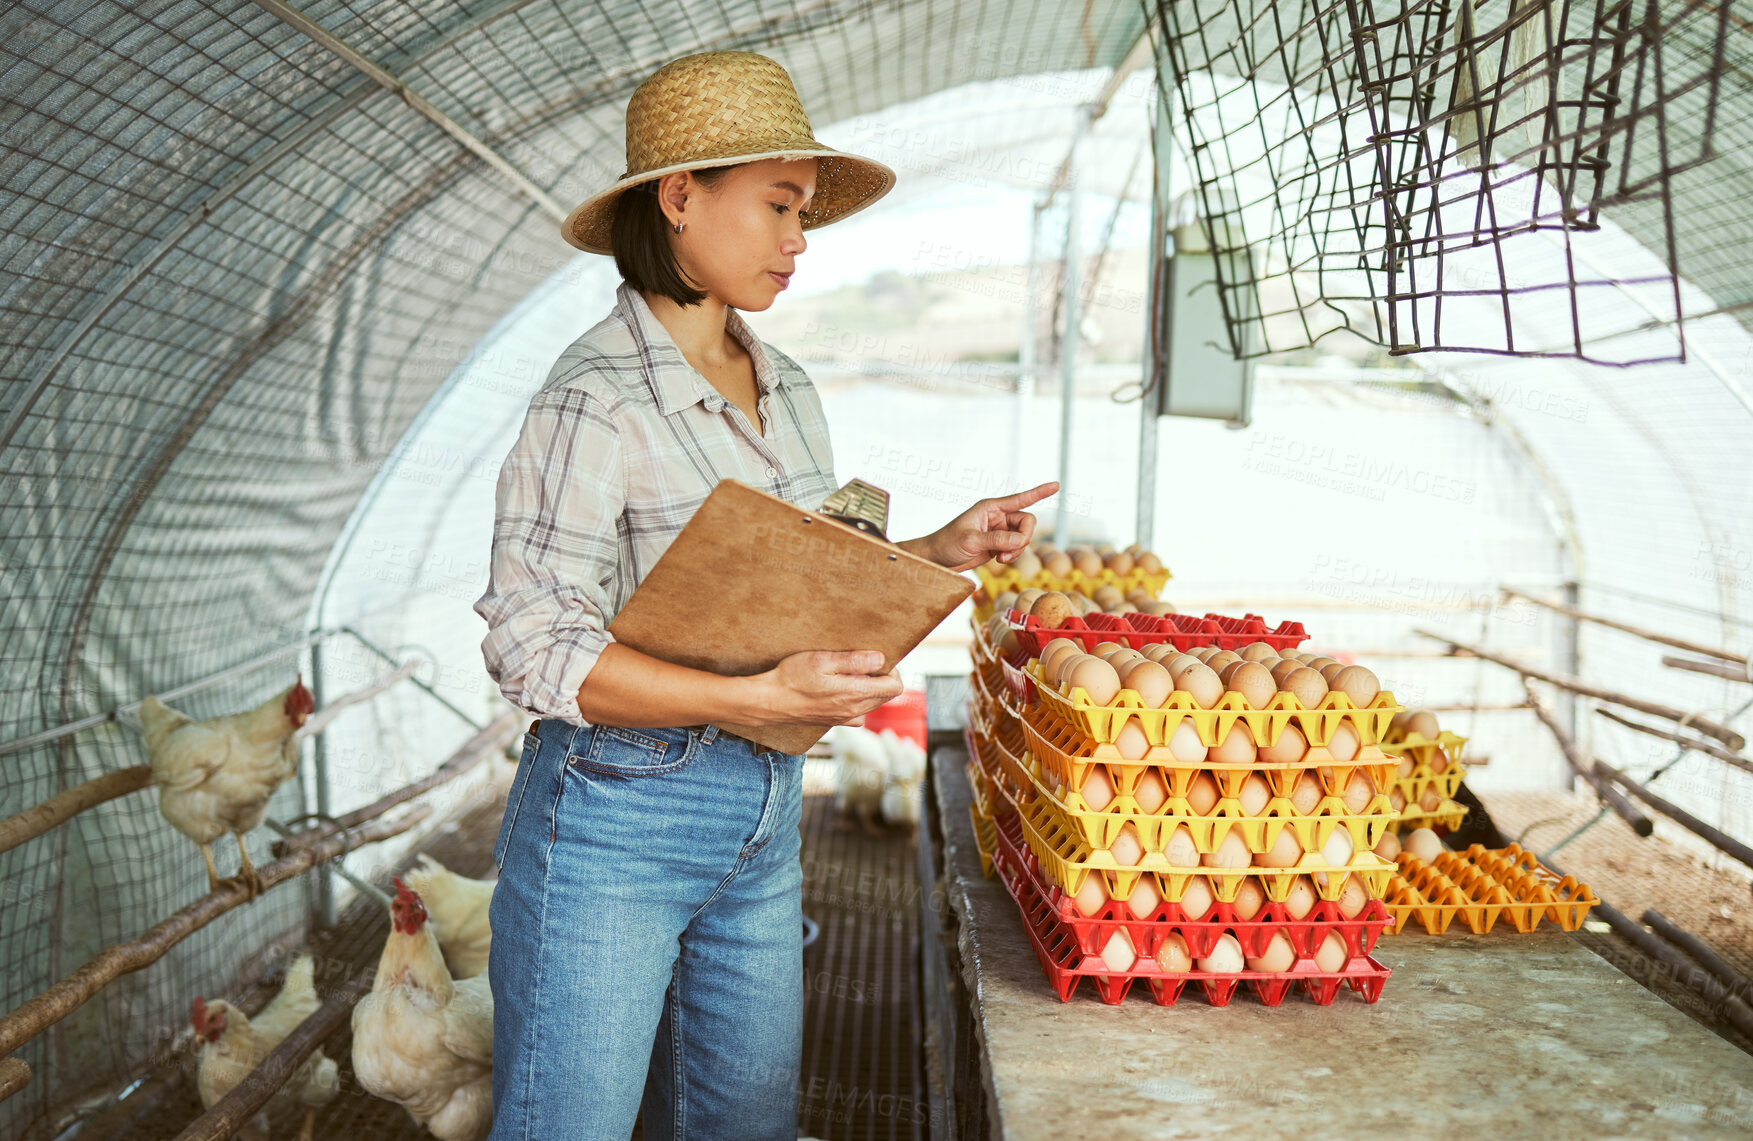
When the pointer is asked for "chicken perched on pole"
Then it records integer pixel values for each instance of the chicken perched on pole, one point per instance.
(422, 1039)
(232, 1044)
(216, 776)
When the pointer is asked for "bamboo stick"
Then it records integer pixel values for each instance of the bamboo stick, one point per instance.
(63, 806)
(1613, 623)
(1694, 743)
(1610, 796)
(231, 1112)
(472, 752)
(1678, 815)
(1738, 983)
(1686, 973)
(68, 995)
(1715, 669)
(1722, 733)
(14, 1076)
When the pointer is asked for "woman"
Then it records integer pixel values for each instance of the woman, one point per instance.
(647, 920)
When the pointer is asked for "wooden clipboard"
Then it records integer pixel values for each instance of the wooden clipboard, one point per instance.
(752, 578)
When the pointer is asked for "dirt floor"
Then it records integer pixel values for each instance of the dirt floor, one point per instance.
(1633, 873)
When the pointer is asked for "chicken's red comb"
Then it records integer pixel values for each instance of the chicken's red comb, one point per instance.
(299, 700)
(198, 1015)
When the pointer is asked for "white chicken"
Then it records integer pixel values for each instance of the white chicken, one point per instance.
(906, 772)
(216, 776)
(422, 1039)
(232, 1044)
(878, 778)
(457, 909)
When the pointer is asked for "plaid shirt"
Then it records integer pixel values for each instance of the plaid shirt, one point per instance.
(621, 444)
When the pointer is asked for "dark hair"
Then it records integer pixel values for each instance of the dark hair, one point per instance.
(642, 248)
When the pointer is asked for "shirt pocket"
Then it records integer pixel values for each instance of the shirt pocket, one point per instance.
(532, 747)
(616, 750)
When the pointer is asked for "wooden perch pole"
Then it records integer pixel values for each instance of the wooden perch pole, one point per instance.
(63, 806)
(1714, 669)
(14, 1076)
(1737, 983)
(1709, 748)
(1649, 635)
(1678, 815)
(473, 751)
(1608, 795)
(1722, 733)
(78, 988)
(231, 1112)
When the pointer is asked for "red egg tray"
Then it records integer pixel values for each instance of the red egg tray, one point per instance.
(1094, 931)
(1063, 958)
(1140, 630)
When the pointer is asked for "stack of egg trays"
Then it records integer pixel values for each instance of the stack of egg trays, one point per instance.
(1414, 774)
(1071, 842)
(993, 585)
(1067, 945)
(1138, 630)
(1481, 884)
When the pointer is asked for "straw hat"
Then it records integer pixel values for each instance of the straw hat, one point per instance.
(717, 108)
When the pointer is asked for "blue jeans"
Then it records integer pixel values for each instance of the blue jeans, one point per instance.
(647, 938)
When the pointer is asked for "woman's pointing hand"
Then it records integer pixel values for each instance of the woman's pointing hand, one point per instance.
(993, 528)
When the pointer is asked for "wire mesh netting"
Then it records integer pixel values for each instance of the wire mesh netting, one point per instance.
(1403, 169)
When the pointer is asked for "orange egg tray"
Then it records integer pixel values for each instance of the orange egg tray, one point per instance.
(994, 585)
(1184, 631)
(1060, 952)
(997, 755)
(1102, 723)
(1068, 753)
(1480, 885)
(1201, 933)
(1067, 858)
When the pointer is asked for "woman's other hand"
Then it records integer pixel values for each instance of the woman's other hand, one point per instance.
(991, 529)
(822, 687)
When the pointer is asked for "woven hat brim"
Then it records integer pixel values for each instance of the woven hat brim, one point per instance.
(839, 196)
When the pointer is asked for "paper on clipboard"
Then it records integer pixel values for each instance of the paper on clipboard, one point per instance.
(752, 578)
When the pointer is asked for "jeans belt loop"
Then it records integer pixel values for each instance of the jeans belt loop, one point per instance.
(710, 735)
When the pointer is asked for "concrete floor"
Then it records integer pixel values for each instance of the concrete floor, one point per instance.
(1503, 1035)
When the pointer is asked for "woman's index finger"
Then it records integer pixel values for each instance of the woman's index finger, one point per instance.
(1021, 499)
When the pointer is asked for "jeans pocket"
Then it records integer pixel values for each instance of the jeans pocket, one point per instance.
(532, 748)
(617, 750)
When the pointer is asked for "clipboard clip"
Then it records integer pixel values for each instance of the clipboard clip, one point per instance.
(859, 505)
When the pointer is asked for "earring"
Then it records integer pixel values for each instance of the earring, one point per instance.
(678, 227)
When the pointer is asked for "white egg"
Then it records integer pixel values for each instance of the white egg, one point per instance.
(1225, 957)
(1424, 844)
(1144, 898)
(1119, 955)
(1091, 897)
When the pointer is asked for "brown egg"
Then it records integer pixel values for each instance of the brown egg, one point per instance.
(1027, 564)
(1098, 789)
(1200, 683)
(1221, 659)
(1057, 564)
(1288, 749)
(1180, 851)
(1160, 608)
(1439, 763)
(1405, 765)
(1284, 853)
(1118, 953)
(1225, 957)
(1107, 595)
(1148, 563)
(1052, 651)
(1321, 661)
(1185, 744)
(1126, 849)
(1124, 659)
(1332, 955)
(1202, 794)
(1139, 597)
(1234, 748)
(1282, 669)
(1352, 898)
(1091, 897)
(1161, 653)
(1004, 601)
(1431, 800)
(1389, 846)
(1342, 743)
(1254, 683)
(1359, 791)
(1096, 678)
(1152, 792)
(1025, 599)
(1088, 563)
(1119, 562)
(1231, 853)
(1306, 684)
(1130, 741)
(1396, 800)
(1250, 898)
(1359, 683)
(1278, 955)
(1104, 648)
(1062, 665)
(1424, 724)
(1300, 900)
(1397, 724)
(1254, 794)
(1305, 795)
(1259, 652)
(1197, 899)
(1051, 609)
(1122, 608)
(1172, 956)
(1144, 898)
(1330, 673)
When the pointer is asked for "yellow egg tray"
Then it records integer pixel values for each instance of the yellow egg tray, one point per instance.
(1481, 885)
(1067, 858)
(1067, 753)
(990, 706)
(1099, 830)
(1414, 787)
(993, 585)
(1449, 814)
(997, 755)
(1103, 723)
(985, 839)
(1423, 750)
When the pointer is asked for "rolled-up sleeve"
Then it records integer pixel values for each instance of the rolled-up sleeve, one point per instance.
(555, 551)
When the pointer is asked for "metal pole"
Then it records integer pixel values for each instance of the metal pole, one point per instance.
(1068, 341)
(326, 914)
(1025, 380)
